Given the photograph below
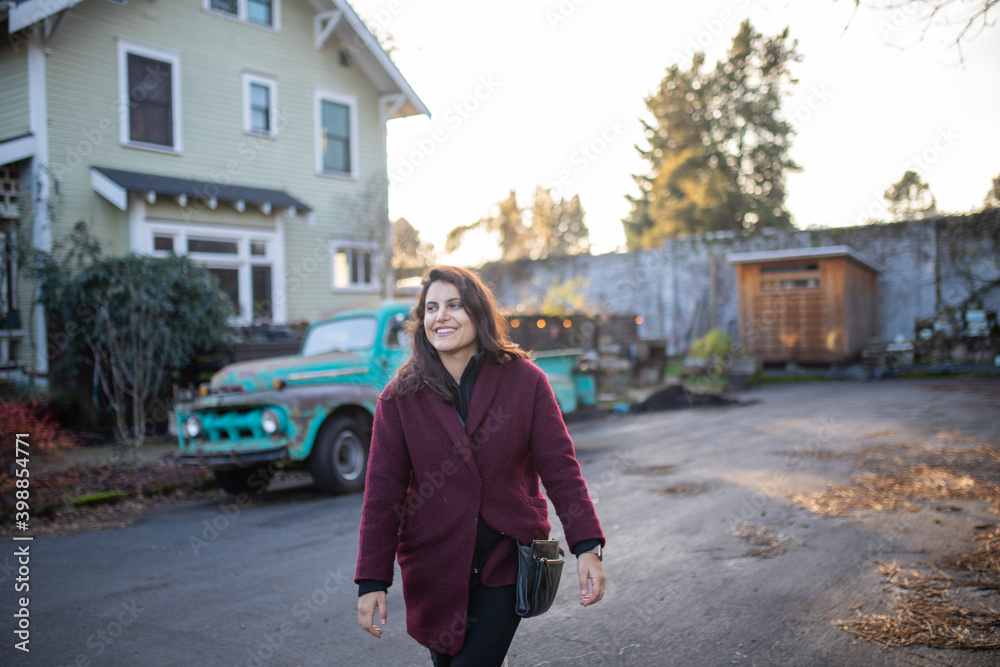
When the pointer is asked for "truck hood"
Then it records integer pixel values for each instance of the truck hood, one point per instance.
(262, 374)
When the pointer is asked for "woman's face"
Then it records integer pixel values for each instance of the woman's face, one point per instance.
(446, 322)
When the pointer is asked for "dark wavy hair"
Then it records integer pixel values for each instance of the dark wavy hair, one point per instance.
(424, 367)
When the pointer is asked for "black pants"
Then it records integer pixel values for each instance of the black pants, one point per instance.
(492, 624)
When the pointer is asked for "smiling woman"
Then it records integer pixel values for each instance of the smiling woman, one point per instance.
(463, 437)
(448, 327)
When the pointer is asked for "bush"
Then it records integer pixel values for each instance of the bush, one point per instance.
(140, 320)
(44, 436)
(713, 346)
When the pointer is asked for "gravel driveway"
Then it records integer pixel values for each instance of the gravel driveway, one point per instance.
(709, 561)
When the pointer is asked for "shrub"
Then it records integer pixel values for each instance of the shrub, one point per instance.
(44, 436)
(713, 346)
(141, 320)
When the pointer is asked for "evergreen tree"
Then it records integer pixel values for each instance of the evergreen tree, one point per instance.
(558, 228)
(408, 250)
(718, 146)
(993, 196)
(555, 229)
(910, 198)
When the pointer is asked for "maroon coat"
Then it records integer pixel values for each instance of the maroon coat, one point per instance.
(429, 480)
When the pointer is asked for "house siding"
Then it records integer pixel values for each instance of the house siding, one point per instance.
(14, 110)
(214, 52)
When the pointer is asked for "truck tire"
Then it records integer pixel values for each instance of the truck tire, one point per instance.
(235, 481)
(339, 457)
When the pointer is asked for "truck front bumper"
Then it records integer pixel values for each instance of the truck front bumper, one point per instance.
(232, 459)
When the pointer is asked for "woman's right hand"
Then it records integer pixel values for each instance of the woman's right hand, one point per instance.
(367, 604)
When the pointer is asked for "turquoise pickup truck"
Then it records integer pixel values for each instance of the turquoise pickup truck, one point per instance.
(315, 408)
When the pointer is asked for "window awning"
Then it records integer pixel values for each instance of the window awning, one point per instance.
(115, 184)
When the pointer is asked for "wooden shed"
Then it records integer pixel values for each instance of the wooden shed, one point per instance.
(810, 305)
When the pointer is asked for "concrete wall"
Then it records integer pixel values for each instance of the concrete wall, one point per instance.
(687, 287)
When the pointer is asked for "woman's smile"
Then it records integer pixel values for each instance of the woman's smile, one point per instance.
(448, 325)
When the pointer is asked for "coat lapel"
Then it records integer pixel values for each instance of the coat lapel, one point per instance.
(458, 441)
(483, 395)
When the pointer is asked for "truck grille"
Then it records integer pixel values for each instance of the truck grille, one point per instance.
(232, 425)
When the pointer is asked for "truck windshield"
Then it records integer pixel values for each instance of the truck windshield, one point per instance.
(356, 333)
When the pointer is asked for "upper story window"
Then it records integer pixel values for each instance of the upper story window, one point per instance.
(337, 128)
(259, 12)
(260, 102)
(149, 97)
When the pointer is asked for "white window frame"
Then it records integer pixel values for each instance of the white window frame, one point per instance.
(8, 300)
(242, 261)
(355, 245)
(243, 14)
(351, 103)
(272, 98)
(124, 118)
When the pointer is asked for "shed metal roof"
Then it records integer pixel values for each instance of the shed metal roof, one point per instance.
(803, 253)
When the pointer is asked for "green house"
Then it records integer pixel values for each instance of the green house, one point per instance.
(247, 134)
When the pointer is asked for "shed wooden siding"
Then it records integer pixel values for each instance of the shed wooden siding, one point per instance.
(14, 110)
(214, 52)
(809, 310)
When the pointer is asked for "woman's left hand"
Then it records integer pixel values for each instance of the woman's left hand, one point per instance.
(591, 573)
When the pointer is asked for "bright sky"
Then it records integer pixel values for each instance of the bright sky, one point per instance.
(529, 92)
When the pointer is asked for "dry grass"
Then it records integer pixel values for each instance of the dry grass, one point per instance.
(985, 559)
(764, 541)
(900, 476)
(949, 604)
(892, 492)
(935, 610)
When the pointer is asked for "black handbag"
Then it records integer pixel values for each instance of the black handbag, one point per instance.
(539, 568)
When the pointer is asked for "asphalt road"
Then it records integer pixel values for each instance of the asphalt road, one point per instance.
(270, 583)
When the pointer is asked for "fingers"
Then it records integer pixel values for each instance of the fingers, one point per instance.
(367, 604)
(383, 612)
(591, 574)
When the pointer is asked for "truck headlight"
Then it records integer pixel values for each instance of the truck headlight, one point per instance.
(270, 421)
(192, 426)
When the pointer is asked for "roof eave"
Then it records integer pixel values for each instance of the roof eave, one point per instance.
(804, 253)
(20, 16)
(414, 106)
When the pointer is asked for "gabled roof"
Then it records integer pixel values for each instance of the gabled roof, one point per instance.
(372, 59)
(398, 98)
(114, 183)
